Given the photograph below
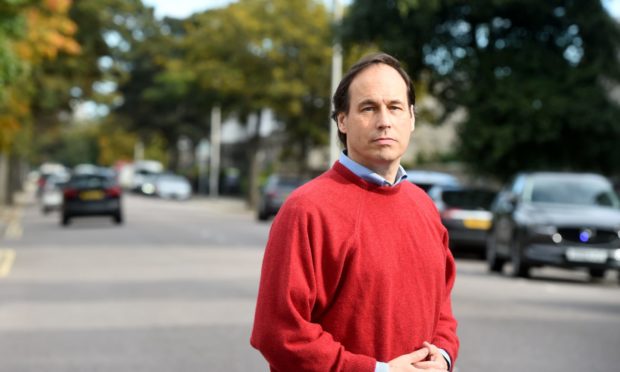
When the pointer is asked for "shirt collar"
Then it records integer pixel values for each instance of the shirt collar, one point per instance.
(369, 175)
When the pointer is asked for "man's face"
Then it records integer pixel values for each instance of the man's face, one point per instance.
(379, 121)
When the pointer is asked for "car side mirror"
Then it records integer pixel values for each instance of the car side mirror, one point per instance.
(510, 203)
(513, 199)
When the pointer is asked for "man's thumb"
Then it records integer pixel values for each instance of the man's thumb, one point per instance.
(418, 355)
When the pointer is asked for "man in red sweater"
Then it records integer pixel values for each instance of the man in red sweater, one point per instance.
(357, 275)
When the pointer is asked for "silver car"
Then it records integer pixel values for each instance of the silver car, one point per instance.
(51, 193)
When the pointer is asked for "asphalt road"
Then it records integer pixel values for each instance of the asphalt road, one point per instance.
(173, 289)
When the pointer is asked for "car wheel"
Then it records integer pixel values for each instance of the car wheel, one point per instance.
(519, 267)
(596, 274)
(262, 213)
(495, 263)
(118, 218)
(65, 220)
(263, 216)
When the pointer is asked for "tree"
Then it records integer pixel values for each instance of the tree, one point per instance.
(156, 97)
(257, 54)
(32, 33)
(535, 77)
(117, 38)
(35, 33)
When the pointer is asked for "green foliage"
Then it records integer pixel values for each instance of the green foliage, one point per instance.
(257, 53)
(12, 26)
(114, 142)
(33, 33)
(70, 146)
(534, 76)
(107, 32)
(159, 96)
(157, 149)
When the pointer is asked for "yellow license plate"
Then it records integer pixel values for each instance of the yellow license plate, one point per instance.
(476, 224)
(91, 195)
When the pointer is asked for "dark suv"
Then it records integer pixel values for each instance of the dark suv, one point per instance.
(569, 220)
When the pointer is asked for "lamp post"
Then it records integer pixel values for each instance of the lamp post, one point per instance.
(334, 147)
(214, 166)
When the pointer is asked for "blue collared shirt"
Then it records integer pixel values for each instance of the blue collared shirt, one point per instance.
(370, 175)
(373, 177)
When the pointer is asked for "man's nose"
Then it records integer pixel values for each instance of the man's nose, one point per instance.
(384, 119)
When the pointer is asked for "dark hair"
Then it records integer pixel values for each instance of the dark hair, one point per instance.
(341, 97)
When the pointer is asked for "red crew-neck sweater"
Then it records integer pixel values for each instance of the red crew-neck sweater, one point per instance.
(353, 273)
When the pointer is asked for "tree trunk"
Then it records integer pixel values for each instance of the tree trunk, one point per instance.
(253, 158)
(15, 177)
(4, 179)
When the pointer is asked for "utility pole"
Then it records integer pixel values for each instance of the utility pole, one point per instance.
(334, 147)
(138, 151)
(202, 156)
(214, 166)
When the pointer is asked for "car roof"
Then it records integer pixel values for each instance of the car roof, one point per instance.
(426, 176)
(563, 175)
(559, 173)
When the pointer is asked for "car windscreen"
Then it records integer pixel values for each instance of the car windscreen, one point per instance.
(90, 182)
(424, 186)
(582, 190)
(468, 199)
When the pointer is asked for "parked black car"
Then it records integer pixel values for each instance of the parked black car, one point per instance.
(274, 192)
(91, 194)
(569, 220)
(465, 212)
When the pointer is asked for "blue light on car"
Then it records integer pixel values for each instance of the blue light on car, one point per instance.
(584, 236)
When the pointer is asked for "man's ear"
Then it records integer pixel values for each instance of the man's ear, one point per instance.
(342, 118)
(412, 112)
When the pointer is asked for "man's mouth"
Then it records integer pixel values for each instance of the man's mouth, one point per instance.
(384, 140)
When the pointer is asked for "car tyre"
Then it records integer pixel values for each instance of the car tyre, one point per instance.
(66, 220)
(262, 215)
(596, 274)
(118, 218)
(495, 263)
(520, 269)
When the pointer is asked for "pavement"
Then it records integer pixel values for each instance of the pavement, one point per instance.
(11, 228)
(223, 204)
(10, 215)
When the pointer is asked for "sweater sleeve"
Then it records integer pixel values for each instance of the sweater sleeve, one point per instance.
(445, 335)
(283, 328)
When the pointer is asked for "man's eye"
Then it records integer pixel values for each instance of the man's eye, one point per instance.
(396, 108)
(368, 108)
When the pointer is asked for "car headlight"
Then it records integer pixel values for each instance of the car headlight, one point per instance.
(148, 188)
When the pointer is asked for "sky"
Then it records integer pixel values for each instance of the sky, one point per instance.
(183, 8)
